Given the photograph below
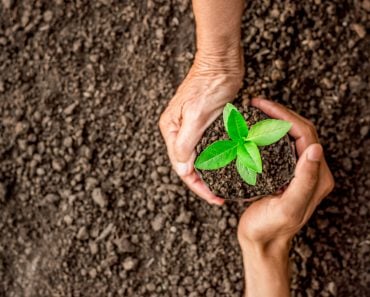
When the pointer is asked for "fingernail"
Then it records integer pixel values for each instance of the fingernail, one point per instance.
(181, 168)
(314, 152)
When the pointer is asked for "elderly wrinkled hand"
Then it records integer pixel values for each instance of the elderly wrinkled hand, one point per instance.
(212, 81)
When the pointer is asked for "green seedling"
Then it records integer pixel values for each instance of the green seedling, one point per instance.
(242, 145)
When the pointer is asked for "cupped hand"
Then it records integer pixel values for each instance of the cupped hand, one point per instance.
(274, 220)
(213, 80)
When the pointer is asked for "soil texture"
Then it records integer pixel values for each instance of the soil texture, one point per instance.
(89, 204)
(278, 161)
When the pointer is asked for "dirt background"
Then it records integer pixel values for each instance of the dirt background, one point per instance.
(278, 161)
(89, 205)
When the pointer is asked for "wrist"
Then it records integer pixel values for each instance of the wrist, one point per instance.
(264, 252)
(220, 61)
(266, 270)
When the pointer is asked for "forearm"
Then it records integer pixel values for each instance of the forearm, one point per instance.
(218, 24)
(266, 272)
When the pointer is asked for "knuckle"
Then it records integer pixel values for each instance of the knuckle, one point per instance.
(311, 125)
(310, 129)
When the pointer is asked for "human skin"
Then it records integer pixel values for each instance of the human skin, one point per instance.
(213, 80)
(267, 227)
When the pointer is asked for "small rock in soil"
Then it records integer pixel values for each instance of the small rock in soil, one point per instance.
(188, 237)
(2, 192)
(364, 131)
(93, 248)
(129, 263)
(82, 233)
(48, 16)
(93, 273)
(57, 165)
(158, 222)
(8, 3)
(99, 197)
(359, 29)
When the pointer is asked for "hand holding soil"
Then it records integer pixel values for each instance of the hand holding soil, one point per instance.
(267, 227)
(214, 79)
(209, 85)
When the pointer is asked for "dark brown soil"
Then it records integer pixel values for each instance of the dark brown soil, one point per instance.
(278, 161)
(88, 201)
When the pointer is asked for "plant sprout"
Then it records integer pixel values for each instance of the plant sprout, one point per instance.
(242, 145)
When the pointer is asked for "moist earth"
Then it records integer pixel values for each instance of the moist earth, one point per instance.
(278, 162)
(89, 204)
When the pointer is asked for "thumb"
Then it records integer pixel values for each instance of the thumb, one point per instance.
(190, 132)
(303, 186)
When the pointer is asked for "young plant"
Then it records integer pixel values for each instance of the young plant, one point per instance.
(242, 145)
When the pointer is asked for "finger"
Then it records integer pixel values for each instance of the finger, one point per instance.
(193, 124)
(302, 130)
(197, 185)
(170, 125)
(326, 184)
(266, 102)
(324, 187)
(191, 179)
(303, 186)
(189, 134)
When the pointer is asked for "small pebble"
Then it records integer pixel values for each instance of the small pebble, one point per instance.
(347, 164)
(359, 29)
(332, 288)
(70, 108)
(129, 263)
(92, 273)
(150, 287)
(2, 192)
(93, 248)
(82, 233)
(327, 83)
(364, 131)
(7, 3)
(158, 222)
(222, 224)
(90, 183)
(52, 198)
(276, 75)
(57, 165)
(188, 237)
(48, 16)
(67, 142)
(366, 5)
(99, 197)
(67, 219)
(40, 171)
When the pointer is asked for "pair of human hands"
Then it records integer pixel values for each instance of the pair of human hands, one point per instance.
(209, 85)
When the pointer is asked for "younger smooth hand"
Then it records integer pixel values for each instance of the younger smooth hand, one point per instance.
(267, 227)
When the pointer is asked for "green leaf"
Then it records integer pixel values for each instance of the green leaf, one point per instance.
(226, 113)
(269, 131)
(249, 155)
(247, 174)
(254, 153)
(217, 155)
(236, 125)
